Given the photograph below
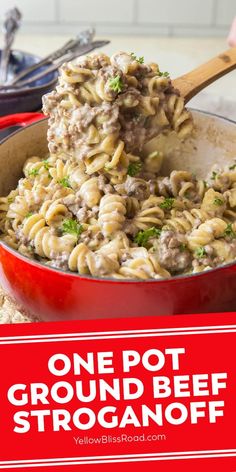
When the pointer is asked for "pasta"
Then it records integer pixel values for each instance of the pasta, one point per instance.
(112, 211)
(97, 205)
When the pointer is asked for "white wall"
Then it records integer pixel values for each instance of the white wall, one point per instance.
(147, 17)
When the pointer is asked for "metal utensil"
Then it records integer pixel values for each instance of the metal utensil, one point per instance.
(51, 68)
(82, 38)
(10, 27)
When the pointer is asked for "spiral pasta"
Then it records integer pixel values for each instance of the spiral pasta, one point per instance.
(112, 211)
(150, 214)
(87, 262)
(90, 193)
(98, 204)
(207, 232)
(143, 266)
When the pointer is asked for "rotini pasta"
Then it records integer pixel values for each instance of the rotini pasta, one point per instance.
(112, 211)
(97, 205)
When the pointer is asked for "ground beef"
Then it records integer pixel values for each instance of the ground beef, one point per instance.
(164, 186)
(60, 261)
(134, 187)
(104, 186)
(129, 227)
(172, 253)
(104, 265)
(73, 203)
(110, 112)
(82, 117)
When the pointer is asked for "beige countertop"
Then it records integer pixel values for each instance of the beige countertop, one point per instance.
(175, 55)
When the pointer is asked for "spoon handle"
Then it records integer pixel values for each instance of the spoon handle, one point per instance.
(84, 49)
(4, 63)
(11, 25)
(83, 38)
(193, 82)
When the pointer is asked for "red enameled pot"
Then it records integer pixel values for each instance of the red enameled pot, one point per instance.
(56, 295)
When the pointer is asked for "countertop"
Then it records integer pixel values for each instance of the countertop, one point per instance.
(175, 55)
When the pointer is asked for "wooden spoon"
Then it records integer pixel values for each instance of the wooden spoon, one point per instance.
(193, 82)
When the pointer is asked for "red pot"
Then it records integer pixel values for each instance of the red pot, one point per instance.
(56, 295)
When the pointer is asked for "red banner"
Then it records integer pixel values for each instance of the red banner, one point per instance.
(107, 394)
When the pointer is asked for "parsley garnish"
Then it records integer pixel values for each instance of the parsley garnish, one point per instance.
(29, 214)
(72, 227)
(218, 202)
(214, 175)
(229, 231)
(200, 252)
(182, 247)
(65, 182)
(167, 204)
(33, 172)
(142, 237)
(116, 84)
(164, 74)
(10, 200)
(205, 183)
(232, 167)
(138, 59)
(46, 165)
(134, 168)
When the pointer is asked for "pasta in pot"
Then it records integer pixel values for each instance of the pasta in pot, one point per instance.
(96, 205)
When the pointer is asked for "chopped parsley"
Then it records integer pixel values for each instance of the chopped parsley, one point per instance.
(134, 168)
(138, 59)
(10, 200)
(33, 172)
(218, 202)
(28, 215)
(182, 247)
(65, 182)
(167, 204)
(213, 175)
(164, 74)
(46, 165)
(142, 237)
(229, 231)
(72, 227)
(232, 167)
(205, 183)
(116, 84)
(200, 252)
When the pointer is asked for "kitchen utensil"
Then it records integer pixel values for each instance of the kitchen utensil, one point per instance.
(82, 38)
(25, 99)
(193, 82)
(10, 27)
(83, 49)
(190, 84)
(56, 295)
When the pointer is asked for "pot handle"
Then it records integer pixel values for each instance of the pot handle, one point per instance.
(20, 119)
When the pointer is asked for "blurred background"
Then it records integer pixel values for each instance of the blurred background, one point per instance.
(209, 18)
(178, 35)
